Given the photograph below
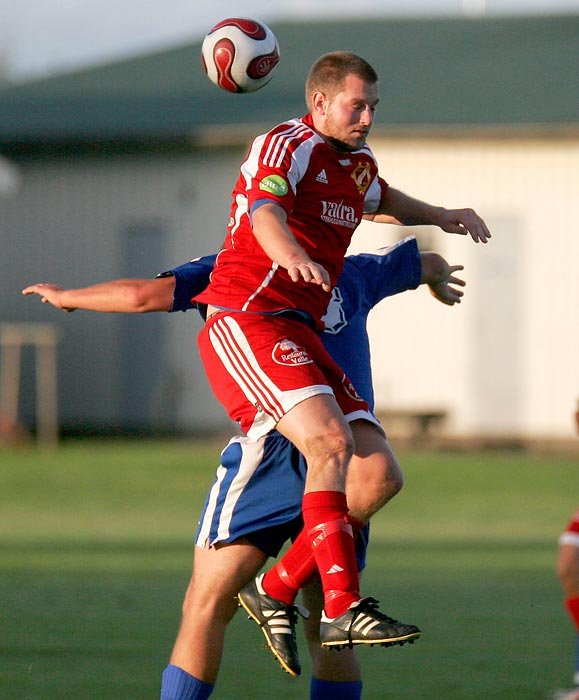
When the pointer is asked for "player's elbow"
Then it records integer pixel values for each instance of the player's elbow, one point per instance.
(139, 300)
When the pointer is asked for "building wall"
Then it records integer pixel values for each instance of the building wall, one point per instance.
(504, 362)
(78, 221)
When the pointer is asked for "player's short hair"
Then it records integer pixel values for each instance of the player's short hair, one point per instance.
(330, 70)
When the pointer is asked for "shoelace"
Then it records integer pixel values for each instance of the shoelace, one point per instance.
(370, 605)
(289, 614)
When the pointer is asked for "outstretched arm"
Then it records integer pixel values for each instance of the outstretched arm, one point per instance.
(121, 296)
(439, 276)
(399, 208)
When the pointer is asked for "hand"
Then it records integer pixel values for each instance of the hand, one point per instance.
(309, 271)
(442, 290)
(50, 293)
(463, 221)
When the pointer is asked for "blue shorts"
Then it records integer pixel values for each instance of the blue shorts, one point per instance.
(257, 494)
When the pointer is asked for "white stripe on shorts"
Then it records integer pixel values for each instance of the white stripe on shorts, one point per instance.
(251, 458)
(234, 350)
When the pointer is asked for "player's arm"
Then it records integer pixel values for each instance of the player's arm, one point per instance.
(440, 278)
(399, 208)
(121, 296)
(269, 224)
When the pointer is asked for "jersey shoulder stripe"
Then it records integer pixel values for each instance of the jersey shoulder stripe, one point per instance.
(283, 140)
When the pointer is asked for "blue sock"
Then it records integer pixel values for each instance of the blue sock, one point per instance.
(180, 685)
(328, 690)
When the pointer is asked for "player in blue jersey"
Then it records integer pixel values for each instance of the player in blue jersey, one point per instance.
(254, 506)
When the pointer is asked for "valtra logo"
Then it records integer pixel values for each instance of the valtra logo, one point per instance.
(339, 214)
(289, 354)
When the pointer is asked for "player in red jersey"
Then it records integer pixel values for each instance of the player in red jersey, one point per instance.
(568, 572)
(302, 191)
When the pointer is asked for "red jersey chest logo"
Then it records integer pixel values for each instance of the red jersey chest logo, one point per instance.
(362, 176)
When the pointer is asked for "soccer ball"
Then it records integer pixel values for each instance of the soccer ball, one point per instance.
(240, 54)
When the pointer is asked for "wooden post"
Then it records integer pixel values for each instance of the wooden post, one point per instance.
(43, 337)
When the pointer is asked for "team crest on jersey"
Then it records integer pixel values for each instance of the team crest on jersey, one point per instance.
(335, 319)
(288, 353)
(362, 176)
(350, 390)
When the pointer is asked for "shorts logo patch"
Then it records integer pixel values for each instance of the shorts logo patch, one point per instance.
(350, 389)
(288, 353)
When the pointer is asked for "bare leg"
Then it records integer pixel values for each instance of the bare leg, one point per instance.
(342, 667)
(568, 572)
(374, 475)
(319, 430)
(568, 569)
(218, 574)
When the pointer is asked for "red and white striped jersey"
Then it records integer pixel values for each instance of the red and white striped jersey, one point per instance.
(324, 193)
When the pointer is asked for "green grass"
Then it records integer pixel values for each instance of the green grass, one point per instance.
(95, 543)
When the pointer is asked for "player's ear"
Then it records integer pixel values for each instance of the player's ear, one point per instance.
(319, 103)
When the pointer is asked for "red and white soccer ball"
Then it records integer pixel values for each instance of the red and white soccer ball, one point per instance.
(240, 54)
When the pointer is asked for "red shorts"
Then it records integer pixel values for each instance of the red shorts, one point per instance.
(260, 367)
(571, 533)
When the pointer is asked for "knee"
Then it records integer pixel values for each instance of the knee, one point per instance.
(335, 446)
(371, 484)
(381, 489)
(394, 481)
(568, 569)
(565, 571)
(211, 603)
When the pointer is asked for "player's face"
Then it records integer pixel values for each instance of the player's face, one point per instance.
(350, 113)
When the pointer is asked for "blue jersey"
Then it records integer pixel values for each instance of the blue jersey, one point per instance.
(365, 280)
(258, 488)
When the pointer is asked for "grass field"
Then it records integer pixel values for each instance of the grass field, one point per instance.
(96, 552)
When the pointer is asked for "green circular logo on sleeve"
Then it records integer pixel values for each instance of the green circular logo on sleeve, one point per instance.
(274, 184)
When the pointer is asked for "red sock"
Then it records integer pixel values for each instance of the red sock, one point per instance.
(292, 571)
(297, 567)
(572, 605)
(325, 519)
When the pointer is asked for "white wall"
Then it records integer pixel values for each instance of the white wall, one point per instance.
(506, 361)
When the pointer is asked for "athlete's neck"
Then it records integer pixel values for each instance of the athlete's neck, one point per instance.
(337, 145)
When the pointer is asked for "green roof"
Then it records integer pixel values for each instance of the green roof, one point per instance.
(435, 73)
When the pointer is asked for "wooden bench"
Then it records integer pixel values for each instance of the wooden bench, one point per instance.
(419, 423)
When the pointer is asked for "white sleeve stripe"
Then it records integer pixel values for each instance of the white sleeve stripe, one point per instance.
(280, 143)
